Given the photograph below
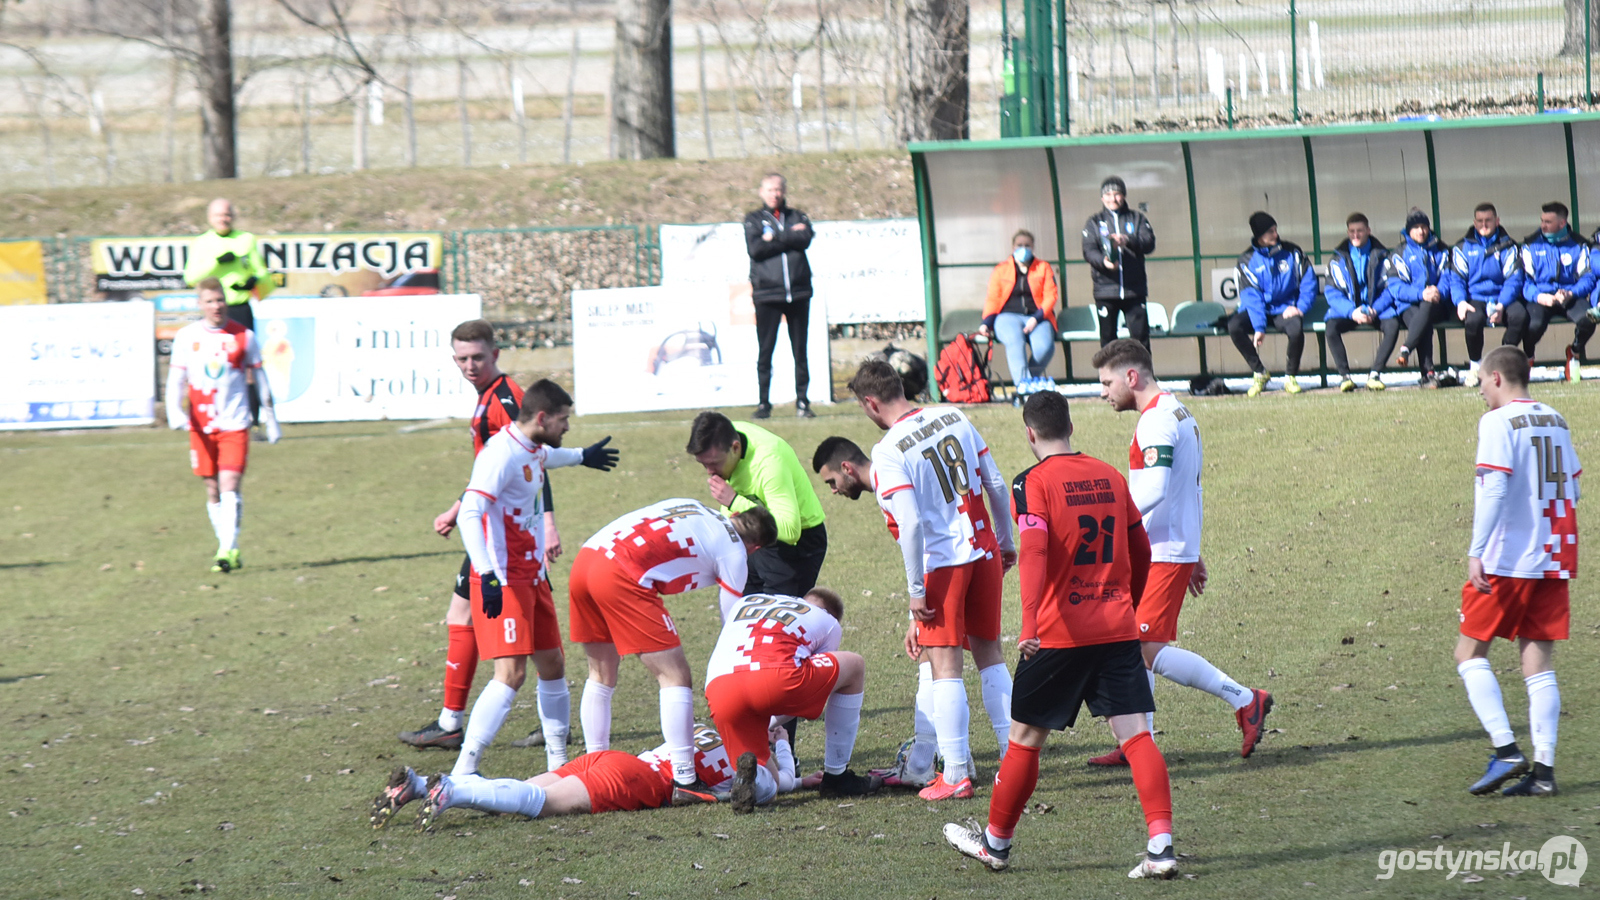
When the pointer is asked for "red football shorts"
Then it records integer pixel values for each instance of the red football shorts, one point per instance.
(618, 781)
(542, 613)
(515, 631)
(608, 607)
(224, 451)
(1158, 610)
(965, 600)
(743, 703)
(1532, 608)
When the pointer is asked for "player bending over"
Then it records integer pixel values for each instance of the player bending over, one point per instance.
(1080, 528)
(1524, 553)
(208, 396)
(502, 527)
(616, 585)
(1164, 465)
(777, 658)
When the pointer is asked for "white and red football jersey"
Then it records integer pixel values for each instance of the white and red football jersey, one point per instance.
(711, 761)
(1167, 438)
(214, 362)
(675, 546)
(1537, 533)
(509, 474)
(934, 452)
(765, 631)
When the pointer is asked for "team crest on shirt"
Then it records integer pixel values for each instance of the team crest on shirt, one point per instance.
(527, 473)
(214, 369)
(1151, 456)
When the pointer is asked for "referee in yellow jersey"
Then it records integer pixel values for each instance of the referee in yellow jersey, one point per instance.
(233, 258)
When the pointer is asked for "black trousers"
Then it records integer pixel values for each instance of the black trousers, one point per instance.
(1336, 328)
(1241, 330)
(1133, 310)
(1514, 318)
(768, 315)
(1420, 319)
(244, 315)
(1575, 311)
(789, 568)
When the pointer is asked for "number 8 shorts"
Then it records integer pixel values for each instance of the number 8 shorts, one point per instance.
(527, 622)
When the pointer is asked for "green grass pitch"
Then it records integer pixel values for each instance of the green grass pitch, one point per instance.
(169, 731)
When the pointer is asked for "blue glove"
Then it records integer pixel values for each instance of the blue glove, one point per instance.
(599, 456)
(491, 590)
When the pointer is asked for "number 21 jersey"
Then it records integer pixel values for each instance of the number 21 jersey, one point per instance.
(1537, 535)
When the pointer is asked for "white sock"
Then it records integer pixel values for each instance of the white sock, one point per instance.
(1150, 717)
(1159, 843)
(995, 840)
(950, 720)
(841, 718)
(996, 681)
(594, 710)
(1373, 375)
(496, 795)
(1191, 670)
(1544, 713)
(214, 513)
(677, 726)
(925, 742)
(555, 717)
(1483, 692)
(418, 783)
(450, 719)
(228, 517)
(488, 714)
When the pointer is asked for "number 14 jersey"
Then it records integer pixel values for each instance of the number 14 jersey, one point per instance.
(1537, 535)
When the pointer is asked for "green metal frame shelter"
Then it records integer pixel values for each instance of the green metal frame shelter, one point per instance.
(1199, 189)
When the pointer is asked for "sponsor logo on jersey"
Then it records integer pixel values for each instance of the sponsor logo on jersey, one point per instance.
(214, 369)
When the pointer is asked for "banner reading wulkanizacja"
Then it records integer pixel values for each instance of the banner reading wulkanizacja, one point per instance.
(303, 265)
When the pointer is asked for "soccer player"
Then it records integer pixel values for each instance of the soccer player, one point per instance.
(925, 473)
(1165, 461)
(473, 349)
(207, 395)
(502, 528)
(779, 657)
(233, 258)
(1524, 552)
(605, 781)
(1082, 540)
(616, 585)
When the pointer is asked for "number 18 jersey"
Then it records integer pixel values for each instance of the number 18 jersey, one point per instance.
(934, 452)
(1537, 535)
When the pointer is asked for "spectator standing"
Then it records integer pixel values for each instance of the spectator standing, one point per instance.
(1115, 242)
(1020, 312)
(1416, 273)
(1356, 297)
(1276, 289)
(1557, 281)
(1486, 285)
(780, 284)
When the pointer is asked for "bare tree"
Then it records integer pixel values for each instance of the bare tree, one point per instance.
(936, 91)
(641, 82)
(219, 125)
(1573, 43)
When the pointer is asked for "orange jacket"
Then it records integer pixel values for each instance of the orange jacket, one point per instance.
(1041, 282)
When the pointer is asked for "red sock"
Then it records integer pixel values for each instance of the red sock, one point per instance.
(460, 665)
(1150, 778)
(1019, 775)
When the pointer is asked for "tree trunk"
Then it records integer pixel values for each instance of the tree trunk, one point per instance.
(641, 81)
(218, 123)
(936, 71)
(1572, 44)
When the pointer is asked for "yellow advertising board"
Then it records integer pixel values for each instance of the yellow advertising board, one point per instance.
(22, 279)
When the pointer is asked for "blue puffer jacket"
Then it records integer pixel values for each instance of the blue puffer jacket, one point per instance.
(1485, 269)
(1550, 266)
(1412, 268)
(1272, 279)
(1345, 294)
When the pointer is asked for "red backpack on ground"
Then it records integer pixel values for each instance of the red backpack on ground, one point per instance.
(962, 372)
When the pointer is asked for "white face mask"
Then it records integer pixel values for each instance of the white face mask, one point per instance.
(1023, 255)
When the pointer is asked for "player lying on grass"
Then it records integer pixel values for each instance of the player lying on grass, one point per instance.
(603, 781)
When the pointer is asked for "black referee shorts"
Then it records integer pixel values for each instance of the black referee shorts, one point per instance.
(1050, 686)
(464, 578)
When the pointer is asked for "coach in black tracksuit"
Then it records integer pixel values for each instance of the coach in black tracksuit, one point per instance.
(780, 284)
(1115, 242)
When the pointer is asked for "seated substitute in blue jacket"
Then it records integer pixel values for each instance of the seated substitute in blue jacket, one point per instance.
(1485, 281)
(1356, 297)
(1276, 288)
(1557, 282)
(1416, 273)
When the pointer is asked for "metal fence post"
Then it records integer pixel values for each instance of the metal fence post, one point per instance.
(1588, 57)
(1230, 108)
(1540, 83)
(1294, 61)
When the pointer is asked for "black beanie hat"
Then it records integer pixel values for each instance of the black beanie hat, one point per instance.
(1113, 182)
(1417, 217)
(1260, 223)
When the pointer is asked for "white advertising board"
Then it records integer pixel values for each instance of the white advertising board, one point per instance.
(77, 365)
(363, 358)
(681, 347)
(867, 271)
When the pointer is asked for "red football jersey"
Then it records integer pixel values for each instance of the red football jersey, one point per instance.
(1079, 527)
(498, 405)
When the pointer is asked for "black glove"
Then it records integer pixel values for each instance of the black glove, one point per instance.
(227, 257)
(249, 284)
(598, 456)
(491, 590)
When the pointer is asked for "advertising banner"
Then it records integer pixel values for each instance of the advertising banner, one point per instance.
(681, 347)
(303, 265)
(22, 279)
(865, 271)
(77, 365)
(364, 358)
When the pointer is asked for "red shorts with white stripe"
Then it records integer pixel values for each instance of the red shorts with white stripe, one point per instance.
(618, 781)
(743, 703)
(1534, 608)
(608, 607)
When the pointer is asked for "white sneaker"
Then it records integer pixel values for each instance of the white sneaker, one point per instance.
(1471, 378)
(1163, 865)
(969, 841)
(902, 775)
